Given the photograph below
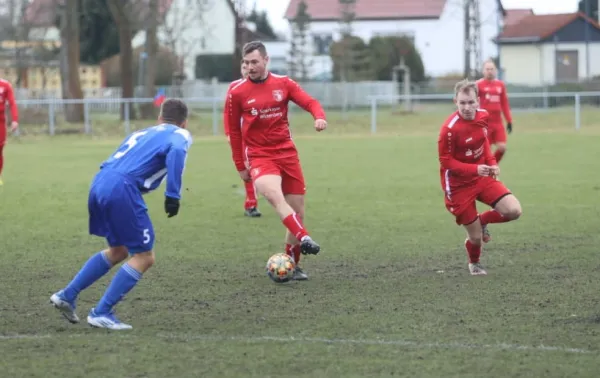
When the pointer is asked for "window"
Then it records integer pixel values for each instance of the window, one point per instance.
(322, 44)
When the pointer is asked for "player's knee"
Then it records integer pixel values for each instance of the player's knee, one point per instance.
(514, 212)
(116, 254)
(511, 209)
(296, 202)
(476, 239)
(142, 261)
(273, 194)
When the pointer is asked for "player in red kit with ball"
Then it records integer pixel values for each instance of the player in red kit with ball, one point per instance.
(6, 95)
(469, 173)
(251, 203)
(493, 98)
(265, 140)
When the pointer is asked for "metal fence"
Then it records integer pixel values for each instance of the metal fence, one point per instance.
(47, 115)
(572, 105)
(332, 95)
(50, 112)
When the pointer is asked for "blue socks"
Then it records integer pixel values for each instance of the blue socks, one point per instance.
(125, 279)
(96, 266)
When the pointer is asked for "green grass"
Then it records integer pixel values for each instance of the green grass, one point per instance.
(390, 294)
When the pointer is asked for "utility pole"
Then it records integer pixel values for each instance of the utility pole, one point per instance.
(472, 43)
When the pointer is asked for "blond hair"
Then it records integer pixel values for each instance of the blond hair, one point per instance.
(489, 61)
(466, 86)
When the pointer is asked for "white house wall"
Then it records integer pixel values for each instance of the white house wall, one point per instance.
(196, 27)
(440, 42)
(522, 64)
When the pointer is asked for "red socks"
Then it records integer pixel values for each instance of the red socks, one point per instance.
(474, 251)
(492, 216)
(294, 252)
(498, 155)
(250, 196)
(293, 223)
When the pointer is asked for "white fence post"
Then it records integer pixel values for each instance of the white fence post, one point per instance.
(51, 125)
(373, 115)
(577, 111)
(86, 117)
(215, 115)
(127, 120)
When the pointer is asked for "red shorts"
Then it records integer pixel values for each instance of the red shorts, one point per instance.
(496, 132)
(461, 202)
(289, 169)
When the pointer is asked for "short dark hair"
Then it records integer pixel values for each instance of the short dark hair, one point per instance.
(174, 111)
(254, 45)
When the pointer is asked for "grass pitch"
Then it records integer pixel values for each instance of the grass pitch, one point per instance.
(389, 295)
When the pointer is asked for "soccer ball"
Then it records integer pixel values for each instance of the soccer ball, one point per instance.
(281, 268)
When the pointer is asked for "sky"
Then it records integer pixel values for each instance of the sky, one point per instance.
(276, 8)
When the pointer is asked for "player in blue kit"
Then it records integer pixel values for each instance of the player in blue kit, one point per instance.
(118, 212)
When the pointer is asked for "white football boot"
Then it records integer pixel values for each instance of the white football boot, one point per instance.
(108, 321)
(66, 308)
(477, 269)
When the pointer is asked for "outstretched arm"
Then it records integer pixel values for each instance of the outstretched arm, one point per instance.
(304, 100)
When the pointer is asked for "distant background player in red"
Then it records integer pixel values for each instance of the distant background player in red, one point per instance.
(262, 101)
(493, 98)
(251, 202)
(469, 173)
(6, 94)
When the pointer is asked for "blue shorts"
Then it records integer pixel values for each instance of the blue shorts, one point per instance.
(118, 212)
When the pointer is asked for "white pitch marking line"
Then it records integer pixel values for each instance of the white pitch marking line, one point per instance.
(260, 339)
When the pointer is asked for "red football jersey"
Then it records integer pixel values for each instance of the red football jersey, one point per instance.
(263, 110)
(493, 98)
(462, 146)
(225, 110)
(7, 94)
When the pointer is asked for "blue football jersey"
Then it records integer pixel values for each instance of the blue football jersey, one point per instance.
(147, 156)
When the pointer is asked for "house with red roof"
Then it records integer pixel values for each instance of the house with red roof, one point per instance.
(550, 48)
(435, 26)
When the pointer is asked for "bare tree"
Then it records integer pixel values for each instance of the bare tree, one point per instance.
(122, 14)
(69, 59)
(15, 27)
(151, 50)
(299, 62)
(178, 21)
(346, 18)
